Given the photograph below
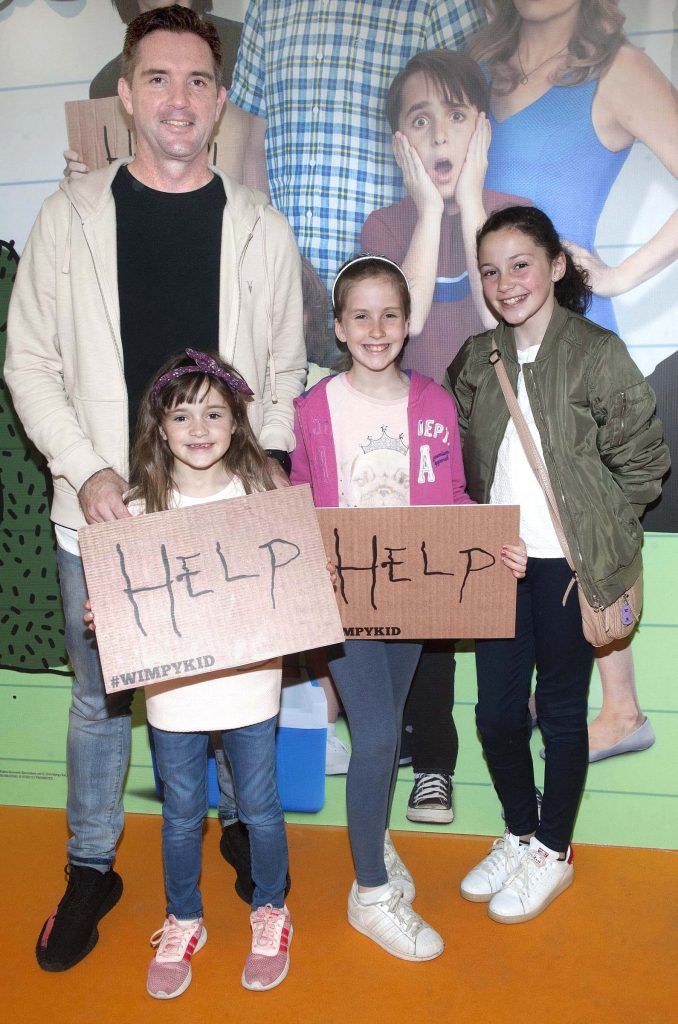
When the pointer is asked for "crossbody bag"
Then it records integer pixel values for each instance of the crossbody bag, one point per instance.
(602, 625)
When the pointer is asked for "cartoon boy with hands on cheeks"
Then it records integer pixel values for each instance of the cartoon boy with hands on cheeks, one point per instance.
(437, 108)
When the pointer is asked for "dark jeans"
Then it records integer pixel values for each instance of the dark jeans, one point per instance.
(428, 721)
(550, 636)
(373, 678)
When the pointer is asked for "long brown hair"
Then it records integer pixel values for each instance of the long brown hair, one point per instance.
(152, 461)
(593, 46)
(572, 290)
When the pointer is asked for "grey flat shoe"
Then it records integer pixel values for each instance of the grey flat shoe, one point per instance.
(640, 739)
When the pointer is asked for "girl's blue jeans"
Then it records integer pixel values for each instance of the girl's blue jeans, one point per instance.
(180, 759)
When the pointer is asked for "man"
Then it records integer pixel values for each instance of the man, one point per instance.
(123, 267)
(105, 82)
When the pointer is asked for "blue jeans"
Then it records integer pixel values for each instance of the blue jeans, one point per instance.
(99, 731)
(180, 759)
(227, 809)
(551, 636)
(373, 678)
(99, 736)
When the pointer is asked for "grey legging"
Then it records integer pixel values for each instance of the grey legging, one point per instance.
(373, 678)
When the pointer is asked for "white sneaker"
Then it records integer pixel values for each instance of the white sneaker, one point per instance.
(537, 880)
(394, 925)
(488, 877)
(337, 756)
(398, 875)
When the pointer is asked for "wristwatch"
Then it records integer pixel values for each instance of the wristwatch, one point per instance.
(282, 457)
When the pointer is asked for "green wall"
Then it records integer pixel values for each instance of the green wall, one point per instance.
(629, 801)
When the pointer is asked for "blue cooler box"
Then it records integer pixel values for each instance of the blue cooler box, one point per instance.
(301, 738)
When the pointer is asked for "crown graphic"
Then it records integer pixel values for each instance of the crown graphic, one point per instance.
(394, 444)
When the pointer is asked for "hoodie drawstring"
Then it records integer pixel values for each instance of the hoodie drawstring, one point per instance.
(66, 265)
(269, 307)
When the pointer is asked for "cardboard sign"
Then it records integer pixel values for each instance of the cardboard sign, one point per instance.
(423, 573)
(207, 588)
(101, 131)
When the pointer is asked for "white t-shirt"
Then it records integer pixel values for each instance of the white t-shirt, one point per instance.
(67, 538)
(514, 480)
(218, 700)
(371, 444)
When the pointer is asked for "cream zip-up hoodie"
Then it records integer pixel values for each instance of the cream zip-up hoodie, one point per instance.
(64, 363)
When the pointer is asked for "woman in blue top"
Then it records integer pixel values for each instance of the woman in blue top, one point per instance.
(569, 98)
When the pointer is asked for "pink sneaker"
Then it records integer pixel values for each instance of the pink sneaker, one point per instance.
(169, 972)
(269, 961)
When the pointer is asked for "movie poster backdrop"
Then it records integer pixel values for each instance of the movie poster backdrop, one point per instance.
(310, 83)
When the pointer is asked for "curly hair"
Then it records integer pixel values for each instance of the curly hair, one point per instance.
(592, 48)
(572, 291)
(152, 461)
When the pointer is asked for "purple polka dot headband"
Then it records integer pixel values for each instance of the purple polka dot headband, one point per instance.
(204, 363)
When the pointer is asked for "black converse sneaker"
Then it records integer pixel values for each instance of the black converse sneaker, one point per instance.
(431, 798)
(70, 933)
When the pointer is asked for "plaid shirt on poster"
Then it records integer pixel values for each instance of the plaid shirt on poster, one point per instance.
(319, 70)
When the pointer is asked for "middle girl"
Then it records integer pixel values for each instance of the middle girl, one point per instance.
(358, 444)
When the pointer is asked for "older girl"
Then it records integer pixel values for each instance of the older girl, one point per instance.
(592, 415)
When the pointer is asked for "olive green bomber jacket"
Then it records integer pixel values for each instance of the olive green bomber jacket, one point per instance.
(603, 445)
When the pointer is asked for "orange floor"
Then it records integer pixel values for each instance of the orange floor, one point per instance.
(605, 951)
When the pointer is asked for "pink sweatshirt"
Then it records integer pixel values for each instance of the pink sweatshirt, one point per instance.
(436, 466)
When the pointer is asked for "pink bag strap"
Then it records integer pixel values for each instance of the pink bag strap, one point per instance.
(533, 456)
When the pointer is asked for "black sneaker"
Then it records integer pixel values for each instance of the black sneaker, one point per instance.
(235, 849)
(70, 933)
(431, 798)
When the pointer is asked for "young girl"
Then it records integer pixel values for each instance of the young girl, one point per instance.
(358, 445)
(591, 414)
(195, 445)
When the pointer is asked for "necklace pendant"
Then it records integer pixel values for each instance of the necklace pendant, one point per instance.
(523, 80)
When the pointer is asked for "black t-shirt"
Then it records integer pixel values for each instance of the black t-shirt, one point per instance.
(169, 246)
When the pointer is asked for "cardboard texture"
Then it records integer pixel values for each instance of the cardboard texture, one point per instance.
(423, 573)
(203, 589)
(100, 131)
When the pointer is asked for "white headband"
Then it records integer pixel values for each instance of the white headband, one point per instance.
(361, 259)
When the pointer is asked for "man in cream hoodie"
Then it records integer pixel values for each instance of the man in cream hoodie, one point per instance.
(124, 267)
